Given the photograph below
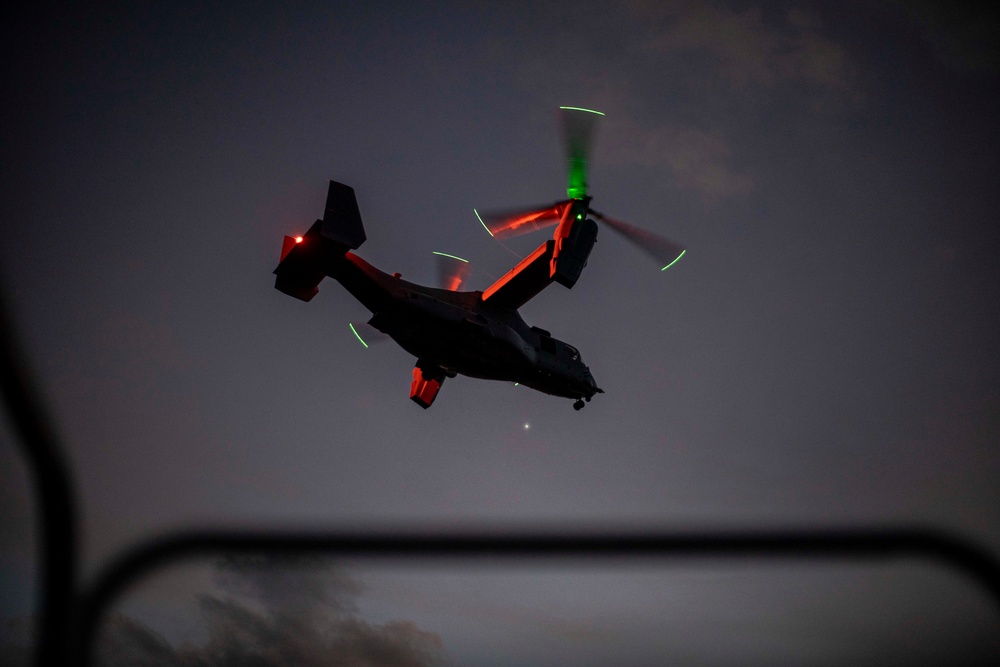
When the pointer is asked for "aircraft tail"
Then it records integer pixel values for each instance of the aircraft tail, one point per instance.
(305, 260)
(342, 219)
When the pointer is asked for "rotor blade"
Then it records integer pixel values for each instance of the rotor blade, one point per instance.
(578, 134)
(452, 271)
(514, 222)
(663, 250)
(366, 333)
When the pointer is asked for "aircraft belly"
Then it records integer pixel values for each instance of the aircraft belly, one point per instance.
(479, 344)
(476, 357)
(460, 345)
(556, 387)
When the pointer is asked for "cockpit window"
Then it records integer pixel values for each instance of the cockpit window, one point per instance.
(574, 354)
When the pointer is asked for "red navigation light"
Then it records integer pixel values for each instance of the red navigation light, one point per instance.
(288, 243)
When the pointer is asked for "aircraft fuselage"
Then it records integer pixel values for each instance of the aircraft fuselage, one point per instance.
(460, 333)
(477, 334)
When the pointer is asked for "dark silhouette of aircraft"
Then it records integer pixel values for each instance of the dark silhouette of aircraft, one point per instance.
(472, 333)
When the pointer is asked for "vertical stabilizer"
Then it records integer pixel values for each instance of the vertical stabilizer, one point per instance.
(342, 219)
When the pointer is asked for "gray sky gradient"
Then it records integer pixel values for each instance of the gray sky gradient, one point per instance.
(825, 354)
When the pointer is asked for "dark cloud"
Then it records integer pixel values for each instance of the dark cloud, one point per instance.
(748, 47)
(274, 613)
(307, 585)
(697, 159)
(686, 74)
(129, 642)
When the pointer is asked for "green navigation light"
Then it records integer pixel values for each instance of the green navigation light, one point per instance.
(481, 222)
(358, 335)
(577, 188)
(675, 261)
(444, 254)
(599, 113)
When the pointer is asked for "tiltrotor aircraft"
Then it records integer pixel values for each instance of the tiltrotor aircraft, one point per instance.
(472, 333)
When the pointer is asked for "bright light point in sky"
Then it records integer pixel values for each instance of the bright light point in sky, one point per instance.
(527, 426)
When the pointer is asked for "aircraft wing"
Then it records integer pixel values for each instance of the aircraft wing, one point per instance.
(524, 281)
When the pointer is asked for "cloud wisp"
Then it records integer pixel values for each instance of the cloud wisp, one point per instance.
(275, 612)
(747, 48)
(692, 84)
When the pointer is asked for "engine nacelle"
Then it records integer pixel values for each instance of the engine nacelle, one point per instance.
(425, 386)
(572, 251)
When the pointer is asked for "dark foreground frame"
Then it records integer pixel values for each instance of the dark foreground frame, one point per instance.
(69, 617)
(848, 544)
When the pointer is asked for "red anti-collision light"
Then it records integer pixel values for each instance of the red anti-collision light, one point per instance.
(288, 243)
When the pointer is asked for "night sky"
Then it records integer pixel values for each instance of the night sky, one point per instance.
(826, 353)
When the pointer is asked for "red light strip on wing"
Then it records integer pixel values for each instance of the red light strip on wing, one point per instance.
(536, 219)
(510, 275)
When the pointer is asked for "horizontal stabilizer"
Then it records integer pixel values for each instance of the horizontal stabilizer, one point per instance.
(306, 260)
(298, 274)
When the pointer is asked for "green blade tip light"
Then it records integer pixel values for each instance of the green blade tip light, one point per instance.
(599, 113)
(444, 254)
(358, 335)
(481, 222)
(675, 261)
